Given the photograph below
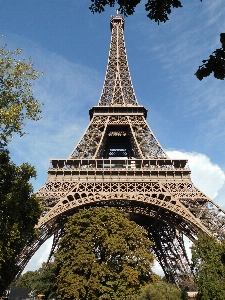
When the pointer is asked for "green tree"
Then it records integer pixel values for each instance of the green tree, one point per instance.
(19, 212)
(19, 208)
(17, 102)
(215, 64)
(27, 280)
(103, 255)
(160, 290)
(208, 258)
(42, 281)
(159, 11)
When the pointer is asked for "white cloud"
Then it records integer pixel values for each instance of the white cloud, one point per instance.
(39, 257)
(205, 175)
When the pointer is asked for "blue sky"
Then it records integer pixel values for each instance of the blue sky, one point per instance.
(71, 45)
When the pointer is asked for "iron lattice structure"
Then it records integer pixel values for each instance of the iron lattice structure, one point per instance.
(119, 162)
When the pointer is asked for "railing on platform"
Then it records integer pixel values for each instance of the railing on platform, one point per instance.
(118, 164)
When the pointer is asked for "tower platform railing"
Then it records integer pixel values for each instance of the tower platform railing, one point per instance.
(118, 164)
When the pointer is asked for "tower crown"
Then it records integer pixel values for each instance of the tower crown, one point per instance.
(116, 19)
(117, 89)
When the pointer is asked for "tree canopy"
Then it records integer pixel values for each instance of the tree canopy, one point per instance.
(103, 255)
(208, 256)
(17, 102)
(41, 281)
(19, 208)
(160, 290)
(159, 11)
(215, 64)
(19, 213)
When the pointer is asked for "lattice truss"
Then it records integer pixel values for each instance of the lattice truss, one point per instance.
(181, 198)
(154, 191)
(140, 140)
(170, 250)
(168, 210)
(117, 89)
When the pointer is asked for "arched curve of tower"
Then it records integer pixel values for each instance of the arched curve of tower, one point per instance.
(119, 162)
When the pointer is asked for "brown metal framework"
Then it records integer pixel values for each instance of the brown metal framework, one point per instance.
(119, 162)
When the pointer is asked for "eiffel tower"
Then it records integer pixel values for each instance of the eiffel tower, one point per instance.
(119, 162)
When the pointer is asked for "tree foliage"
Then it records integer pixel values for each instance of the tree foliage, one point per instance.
(160, 290)
(208, 257)
(42, 281)
(19, 212)
(159, 11)
(215, 64)
(19, 208)
(17, 102)
(27, 280)
(103, 255)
